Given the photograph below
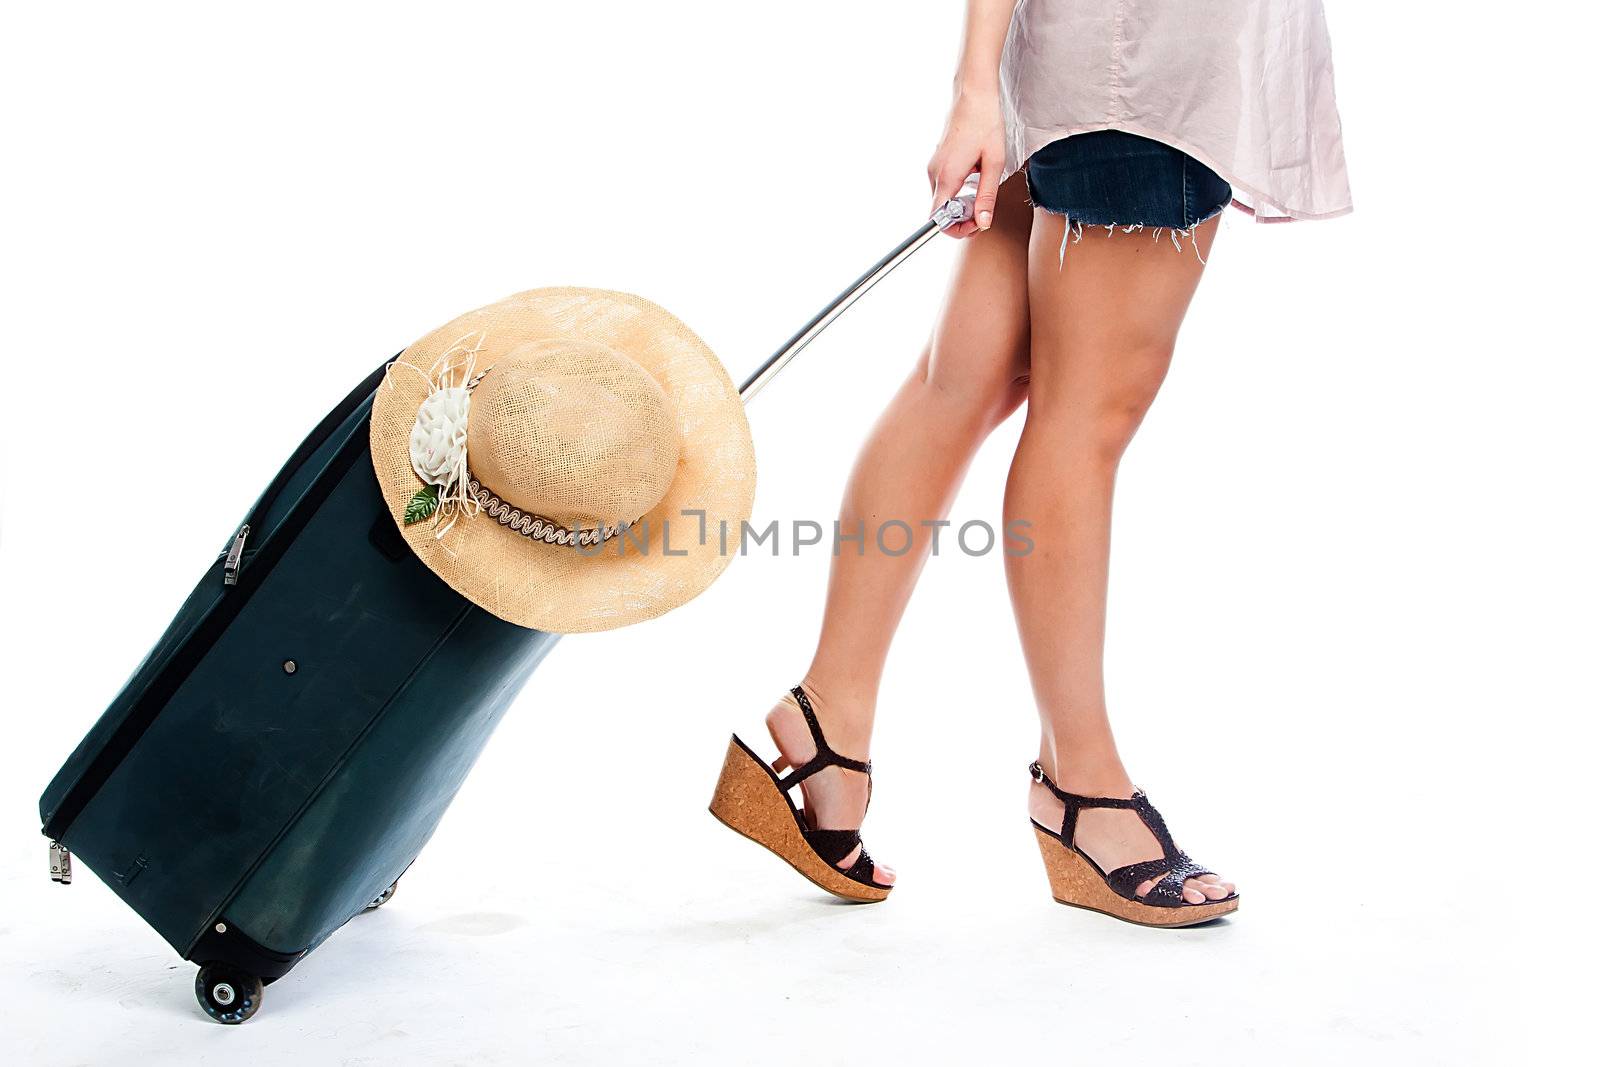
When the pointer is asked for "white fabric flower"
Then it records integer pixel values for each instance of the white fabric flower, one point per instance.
(439, 437)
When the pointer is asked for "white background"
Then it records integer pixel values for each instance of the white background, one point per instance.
(1353, 624)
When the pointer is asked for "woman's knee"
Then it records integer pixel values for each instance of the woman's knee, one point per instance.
(1101, 412)
(1116, 419)
(981, 393)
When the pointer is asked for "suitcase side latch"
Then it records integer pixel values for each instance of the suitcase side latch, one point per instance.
(60, 863)
(230, 566)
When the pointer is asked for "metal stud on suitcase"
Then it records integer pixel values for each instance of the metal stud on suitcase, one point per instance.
(307, 701)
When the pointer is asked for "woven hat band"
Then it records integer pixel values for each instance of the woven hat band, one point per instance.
(536, 527)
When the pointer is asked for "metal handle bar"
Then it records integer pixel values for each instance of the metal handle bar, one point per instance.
(953, 212)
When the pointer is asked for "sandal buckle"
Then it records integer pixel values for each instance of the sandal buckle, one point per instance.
(1036, 772)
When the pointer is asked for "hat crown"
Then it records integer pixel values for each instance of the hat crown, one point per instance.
(574, 431)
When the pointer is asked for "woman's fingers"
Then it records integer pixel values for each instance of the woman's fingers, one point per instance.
(989, 167)
(946, 185)
(945, 178)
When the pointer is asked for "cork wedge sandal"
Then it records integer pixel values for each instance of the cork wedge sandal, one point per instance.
(1077, 880)
(753, 801)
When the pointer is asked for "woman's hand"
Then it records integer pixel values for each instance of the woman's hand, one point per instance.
(974, 140)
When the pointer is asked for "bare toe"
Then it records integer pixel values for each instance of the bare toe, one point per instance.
(1207, 889)
(1192, 896)
(881, 874)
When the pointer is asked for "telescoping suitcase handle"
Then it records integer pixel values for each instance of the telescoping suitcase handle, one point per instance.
(953, 212)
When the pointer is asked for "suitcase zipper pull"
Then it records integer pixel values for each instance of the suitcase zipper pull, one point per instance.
(230, 566)
(60, 863)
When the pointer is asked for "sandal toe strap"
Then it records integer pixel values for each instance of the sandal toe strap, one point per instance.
(1125, 881)
(863, 869)
(1169, 875)
(1166, 893)
(834, 845)
(1187, 868)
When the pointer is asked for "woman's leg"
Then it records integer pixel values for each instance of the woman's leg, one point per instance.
(1105, 317)
(972, 374)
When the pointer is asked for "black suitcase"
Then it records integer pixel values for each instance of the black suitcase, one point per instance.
(292, 741)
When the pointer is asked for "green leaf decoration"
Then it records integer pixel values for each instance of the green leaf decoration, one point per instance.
(422, 505)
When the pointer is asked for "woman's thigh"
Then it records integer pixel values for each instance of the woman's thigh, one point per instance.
(978, 355)
(1105, 315)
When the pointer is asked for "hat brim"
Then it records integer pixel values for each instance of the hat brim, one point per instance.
(669, 557)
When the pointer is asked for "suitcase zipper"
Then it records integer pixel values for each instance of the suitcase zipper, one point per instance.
(166, 682)
(60, 863)
(234, 561)
(230, 566)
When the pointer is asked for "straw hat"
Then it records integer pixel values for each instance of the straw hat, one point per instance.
(550, 458)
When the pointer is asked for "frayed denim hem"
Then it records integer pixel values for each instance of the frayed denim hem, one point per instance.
(1073, 231)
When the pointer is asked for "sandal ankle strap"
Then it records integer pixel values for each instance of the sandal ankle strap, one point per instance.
(1072, 803)
(1036, 771)
(826, 756)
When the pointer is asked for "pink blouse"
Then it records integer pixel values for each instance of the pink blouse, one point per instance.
(1244, 86)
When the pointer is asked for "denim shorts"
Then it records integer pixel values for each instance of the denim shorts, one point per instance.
(1112, 178)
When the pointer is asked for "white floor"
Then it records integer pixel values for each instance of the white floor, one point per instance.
(739, 962)
(579, 906)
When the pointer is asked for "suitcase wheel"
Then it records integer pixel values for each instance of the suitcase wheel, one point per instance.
(228, 994)
(382, 898)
